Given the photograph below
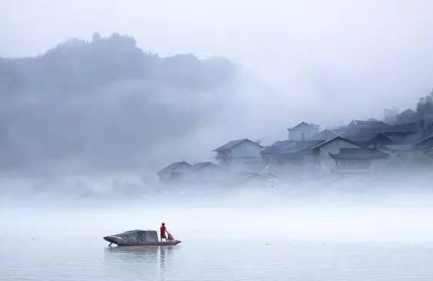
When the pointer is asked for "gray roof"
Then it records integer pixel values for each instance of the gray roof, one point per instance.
(325, 135)
(424, 141)
(234, 143)
(372, 123)
(170, 168)
(276, 147)
(290, 147)
(334, 139)
(406, 127)
(402, 138)
(360, 137)
(359, 154)
(201, 165)
(299, 146)
(408, 111)
(381, 139)
(303, 124)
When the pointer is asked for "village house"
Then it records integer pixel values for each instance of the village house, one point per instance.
(395, 143)
(289, 153)
(239, 155)
(360, 145)
(324, 135)
(377, 133)
(423, 148)
(424, 144)
(361, 131)
(321, 152)
(207, 170)
(205, 174)
(174, 172)
(407, 116)
(359, 159)
(313, 154)
(302, 132)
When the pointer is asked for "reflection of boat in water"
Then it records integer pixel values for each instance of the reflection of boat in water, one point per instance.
(139, 238)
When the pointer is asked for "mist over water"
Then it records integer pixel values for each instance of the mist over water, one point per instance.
(87, 120)
(355, 229)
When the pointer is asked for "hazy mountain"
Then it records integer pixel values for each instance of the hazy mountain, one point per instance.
(104, 104)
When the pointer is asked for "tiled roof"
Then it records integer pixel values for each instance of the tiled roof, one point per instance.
(331, 140)
(204, 165)
(173, 167)
(234, 143)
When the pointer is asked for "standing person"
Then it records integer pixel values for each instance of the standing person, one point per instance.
(162, 231)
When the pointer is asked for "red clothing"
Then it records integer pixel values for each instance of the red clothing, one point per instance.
(162, 229)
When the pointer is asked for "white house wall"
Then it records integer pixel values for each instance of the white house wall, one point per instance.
(246, 150)
(245, 157)
(326, 162)
(301, 133)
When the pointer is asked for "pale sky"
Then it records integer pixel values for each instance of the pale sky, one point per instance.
(357, 56)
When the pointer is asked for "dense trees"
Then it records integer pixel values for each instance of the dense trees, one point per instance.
(424, 107)
(423, 112)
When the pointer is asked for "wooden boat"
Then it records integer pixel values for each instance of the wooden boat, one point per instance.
(139, 238)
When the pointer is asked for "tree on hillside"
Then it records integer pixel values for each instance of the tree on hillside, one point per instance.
(424, 107)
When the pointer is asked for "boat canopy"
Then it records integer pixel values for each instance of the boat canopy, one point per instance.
(139, 236)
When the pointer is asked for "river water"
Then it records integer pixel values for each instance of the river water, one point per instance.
(306, 241)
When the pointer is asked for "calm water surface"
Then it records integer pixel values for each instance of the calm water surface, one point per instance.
(68, 245)
(89, 258)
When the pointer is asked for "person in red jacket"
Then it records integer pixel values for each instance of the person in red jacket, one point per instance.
(162, 232)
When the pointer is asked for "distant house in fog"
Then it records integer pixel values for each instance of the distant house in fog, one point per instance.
(407, 116)
(411, 127)
(174, 172)
(373, 132)
(242, 154)
(425, 144)
(370, 124)
(394, 143)
(321, 152)
(205, 174)
(324, 135)
(380, 140)
(309, 154)
(424, 147)
(302, 132)
(363, 130)
(207, 169)
(291, 153)
(359, 158)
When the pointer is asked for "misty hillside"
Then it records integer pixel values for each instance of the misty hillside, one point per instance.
(104, 103)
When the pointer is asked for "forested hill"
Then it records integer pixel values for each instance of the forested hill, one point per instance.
(77, 64)
(103, 103)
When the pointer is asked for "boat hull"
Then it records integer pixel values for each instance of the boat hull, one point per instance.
(120, 242)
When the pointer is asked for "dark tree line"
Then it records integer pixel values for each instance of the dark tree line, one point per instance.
(422, 113)
(424, 107)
